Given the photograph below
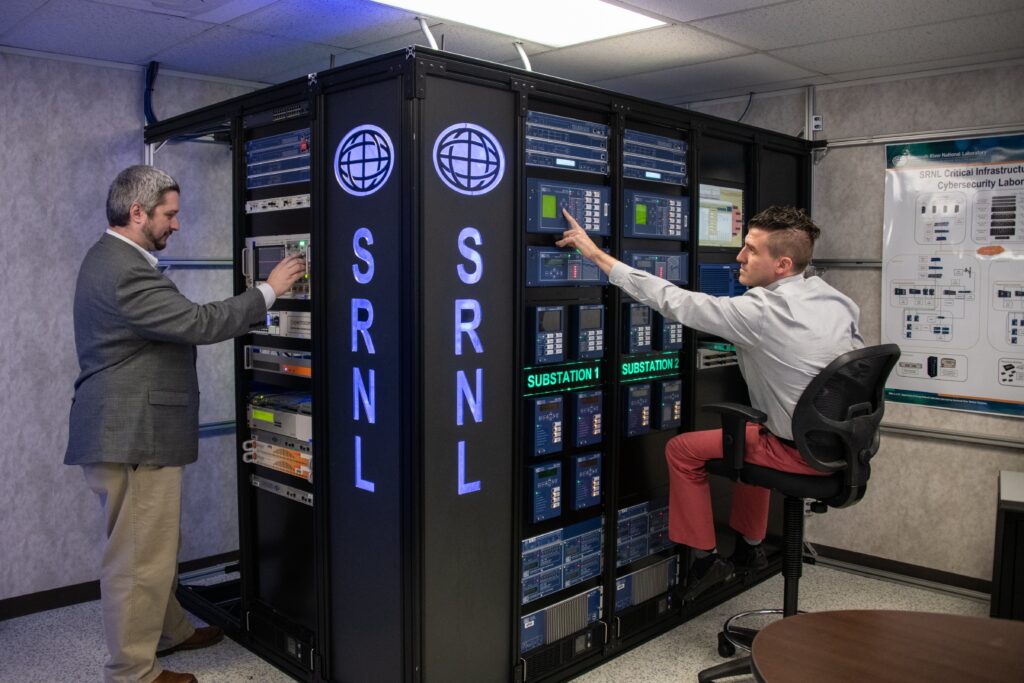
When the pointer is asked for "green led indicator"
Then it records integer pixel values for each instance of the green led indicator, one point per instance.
(641, 214)
(302, 243)
(549, 206)
(263, 415)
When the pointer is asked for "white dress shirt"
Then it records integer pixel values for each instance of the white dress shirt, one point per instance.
(268, 292)
(784, 334)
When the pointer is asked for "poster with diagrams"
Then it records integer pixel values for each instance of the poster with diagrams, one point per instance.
(953, 273)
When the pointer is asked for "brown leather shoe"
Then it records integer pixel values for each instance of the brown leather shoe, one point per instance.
(205, 636)
(174, 677)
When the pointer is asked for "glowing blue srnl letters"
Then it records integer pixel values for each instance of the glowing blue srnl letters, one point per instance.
(463, 394)
(361, 327)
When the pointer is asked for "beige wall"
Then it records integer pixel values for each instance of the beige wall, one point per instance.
(930, 503)
(66, 128)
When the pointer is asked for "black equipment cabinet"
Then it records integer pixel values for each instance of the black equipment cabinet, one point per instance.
(451, 436)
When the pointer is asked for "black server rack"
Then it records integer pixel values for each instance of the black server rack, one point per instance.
(451, 433)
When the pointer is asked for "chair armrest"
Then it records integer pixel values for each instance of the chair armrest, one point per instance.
(735, 417)
(750, 414)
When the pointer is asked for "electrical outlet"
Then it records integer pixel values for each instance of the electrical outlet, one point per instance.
(817, 122)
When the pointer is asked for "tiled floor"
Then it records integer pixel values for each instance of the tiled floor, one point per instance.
(67, 644)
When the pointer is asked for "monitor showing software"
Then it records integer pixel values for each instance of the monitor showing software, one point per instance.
(720, 218)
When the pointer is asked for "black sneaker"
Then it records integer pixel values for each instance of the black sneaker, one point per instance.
(719, 572)
(748, 557)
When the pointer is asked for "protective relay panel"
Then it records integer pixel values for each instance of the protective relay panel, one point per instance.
(671, 266)
(573, 387)
(656, 216)
(642, 531)
(588, 204)
(561, 558)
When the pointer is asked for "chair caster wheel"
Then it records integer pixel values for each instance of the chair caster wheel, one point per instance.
(725, 648)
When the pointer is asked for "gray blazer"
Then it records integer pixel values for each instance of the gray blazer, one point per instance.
(137, 397)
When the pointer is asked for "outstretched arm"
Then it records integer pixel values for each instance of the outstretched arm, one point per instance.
(577, 237)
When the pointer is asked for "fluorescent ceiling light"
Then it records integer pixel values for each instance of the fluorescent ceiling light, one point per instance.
(549, 22)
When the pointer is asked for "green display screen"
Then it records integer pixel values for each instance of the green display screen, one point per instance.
(262, 415)
(641, 214)
(549, 206)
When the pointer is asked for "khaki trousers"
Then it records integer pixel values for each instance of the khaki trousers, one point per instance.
(139, 572)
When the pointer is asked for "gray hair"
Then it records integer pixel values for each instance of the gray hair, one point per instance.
(142, 184)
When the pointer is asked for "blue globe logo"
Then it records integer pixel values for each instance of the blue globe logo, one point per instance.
(363, 160)
(468, 159)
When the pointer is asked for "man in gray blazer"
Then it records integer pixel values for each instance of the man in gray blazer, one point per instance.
(135, 414)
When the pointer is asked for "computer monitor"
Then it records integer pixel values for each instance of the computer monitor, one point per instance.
(720, 220)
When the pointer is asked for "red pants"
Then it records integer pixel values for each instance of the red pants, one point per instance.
(690, 520)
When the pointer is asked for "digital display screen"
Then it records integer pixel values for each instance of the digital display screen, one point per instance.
(550, 321)
(589, 463)
(640, 315)
(590, 400)
(544, 474)
(641, 214)
(720, 217)
(266, 259)
(590, 318)
(549, 206)
(549, 407)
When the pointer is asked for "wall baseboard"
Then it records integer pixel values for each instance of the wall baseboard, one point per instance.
(66, 596)
(904, 569)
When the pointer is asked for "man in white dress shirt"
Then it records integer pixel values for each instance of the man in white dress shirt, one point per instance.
(786, 328)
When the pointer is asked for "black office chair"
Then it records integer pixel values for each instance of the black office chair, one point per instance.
(835, 428)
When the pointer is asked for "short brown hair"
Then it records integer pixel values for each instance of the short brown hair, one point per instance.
(792, 233)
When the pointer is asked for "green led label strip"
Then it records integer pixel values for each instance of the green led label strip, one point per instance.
(562, 377)
(649, 367)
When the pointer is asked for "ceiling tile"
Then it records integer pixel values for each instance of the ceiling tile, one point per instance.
(960, 38)
(97, 31)
(229, 52)
(715, 93)
(211, 11)
(983, 59)
(814, 21)
(341, 58)
(460, 39)
(651, 50)
(692, 9)
(16, 10)
(748, 71)
(342, 23)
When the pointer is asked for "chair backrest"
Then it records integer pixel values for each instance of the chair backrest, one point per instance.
(835, 422)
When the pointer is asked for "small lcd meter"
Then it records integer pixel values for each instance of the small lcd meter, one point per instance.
(638, 409)
(588, 331)
(586, 417)
(586, 474)
(669, 402)
(546, 483)
(546, 412)
(638, 328)
(668, 334)
(547, 325)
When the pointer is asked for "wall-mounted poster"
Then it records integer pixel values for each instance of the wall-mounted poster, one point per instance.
(953, 273)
